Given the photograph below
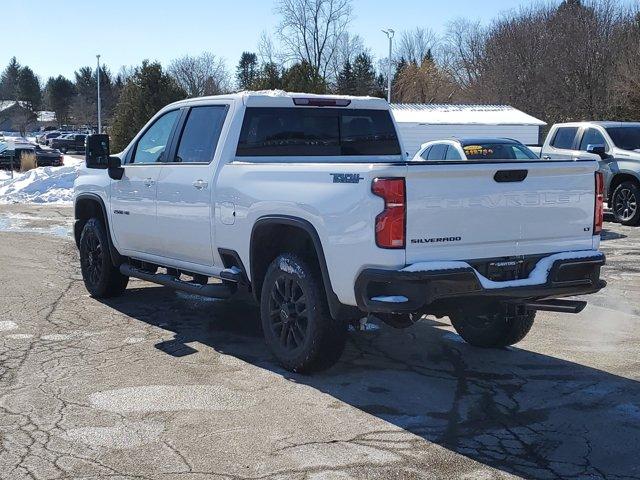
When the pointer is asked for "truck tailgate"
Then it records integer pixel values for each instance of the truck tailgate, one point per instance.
(463, 211)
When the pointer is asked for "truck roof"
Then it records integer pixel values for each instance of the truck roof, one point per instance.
(280, 98)
(602, 123)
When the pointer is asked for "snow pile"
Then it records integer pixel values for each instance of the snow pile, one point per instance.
(41, 185)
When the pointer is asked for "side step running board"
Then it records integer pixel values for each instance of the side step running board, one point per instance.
(214, 290)
(557, 305)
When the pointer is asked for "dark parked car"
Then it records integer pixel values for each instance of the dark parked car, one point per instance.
(69, 143)
(48, 157)
(10, 153)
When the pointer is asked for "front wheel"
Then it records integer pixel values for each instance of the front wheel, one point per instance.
(625, 203)
(295, 317)
(492, 328)
(101, 278)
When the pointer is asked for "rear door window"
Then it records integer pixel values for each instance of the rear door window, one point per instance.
(438, 152)
(564, 137)
(299, 132)
(200, 134)
(452, 153)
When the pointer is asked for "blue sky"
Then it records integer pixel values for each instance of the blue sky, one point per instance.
(68, 34)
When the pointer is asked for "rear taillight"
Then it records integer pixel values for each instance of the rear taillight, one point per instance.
(390, 224)
(598, 214)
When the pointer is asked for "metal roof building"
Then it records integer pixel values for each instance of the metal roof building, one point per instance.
(420, 123)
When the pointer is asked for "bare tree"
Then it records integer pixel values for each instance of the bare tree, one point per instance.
(267, 52)
(205, 74)
(463, 51)
(414, 45)
(310, 30)
(348, 47)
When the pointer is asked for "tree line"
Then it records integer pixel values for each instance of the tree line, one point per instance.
(560, 61)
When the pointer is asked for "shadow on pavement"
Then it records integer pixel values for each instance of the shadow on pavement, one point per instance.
(521, 412)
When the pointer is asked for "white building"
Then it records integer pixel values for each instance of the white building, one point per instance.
(420, 123)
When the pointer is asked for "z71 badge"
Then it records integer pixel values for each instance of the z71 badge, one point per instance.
(346, 177)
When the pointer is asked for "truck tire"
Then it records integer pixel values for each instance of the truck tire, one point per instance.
(101, 278)
(624, 203)
(295, 317)
(492, 329)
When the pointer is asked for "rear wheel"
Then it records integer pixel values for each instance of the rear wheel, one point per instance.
(295, 317)
(492, 328)
(101, 278)
(625, 203)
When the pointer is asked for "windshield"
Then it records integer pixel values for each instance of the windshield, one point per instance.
(498, 151)
(626, 138)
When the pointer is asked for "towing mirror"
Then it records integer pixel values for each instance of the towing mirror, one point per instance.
(97, 151)
(599, 150)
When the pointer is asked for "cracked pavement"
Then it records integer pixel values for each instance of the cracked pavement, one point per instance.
(160, 385)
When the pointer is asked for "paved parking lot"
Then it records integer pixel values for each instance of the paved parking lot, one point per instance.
(158, 384)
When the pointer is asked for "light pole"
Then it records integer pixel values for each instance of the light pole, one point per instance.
(99, 106)
(389, 33)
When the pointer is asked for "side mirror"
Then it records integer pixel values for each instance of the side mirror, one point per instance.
(599, 150)
(97, 151)
(115, 168)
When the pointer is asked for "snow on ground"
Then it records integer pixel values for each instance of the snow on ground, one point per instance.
(41, 185)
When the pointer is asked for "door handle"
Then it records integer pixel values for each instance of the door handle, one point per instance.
(200, 184)
(149, 181)
(546, 157)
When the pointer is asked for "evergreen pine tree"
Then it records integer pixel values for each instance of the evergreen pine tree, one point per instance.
(364, 74)
(269, 78)
(346, 82)
(303, 77)
(9, 81)
(29, 91)
(59, 94)
(247, 71)
(146, 92)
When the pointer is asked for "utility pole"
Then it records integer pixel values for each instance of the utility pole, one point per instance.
(99, 106)
(389, 33)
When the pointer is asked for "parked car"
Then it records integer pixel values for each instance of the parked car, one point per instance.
(45, 139)
(73, 142)
(309, 202)
(47, 157)
(476, 149)
(10, 153)
(616, 146)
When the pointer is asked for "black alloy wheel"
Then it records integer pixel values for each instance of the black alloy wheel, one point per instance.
(288, 315)
(625, 202)
(92, 258)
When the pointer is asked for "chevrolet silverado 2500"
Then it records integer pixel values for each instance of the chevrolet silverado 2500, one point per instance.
(309, 202)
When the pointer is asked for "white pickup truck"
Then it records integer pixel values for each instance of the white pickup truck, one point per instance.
(309, 202)
(616, 146)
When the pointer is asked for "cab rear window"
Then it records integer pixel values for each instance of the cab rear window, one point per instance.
(300, 132)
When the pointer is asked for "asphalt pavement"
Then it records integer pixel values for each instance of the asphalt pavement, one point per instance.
(160, 385)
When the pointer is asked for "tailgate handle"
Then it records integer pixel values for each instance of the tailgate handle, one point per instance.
(504, 176)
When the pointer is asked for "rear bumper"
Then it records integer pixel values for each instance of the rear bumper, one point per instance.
(402, 291)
